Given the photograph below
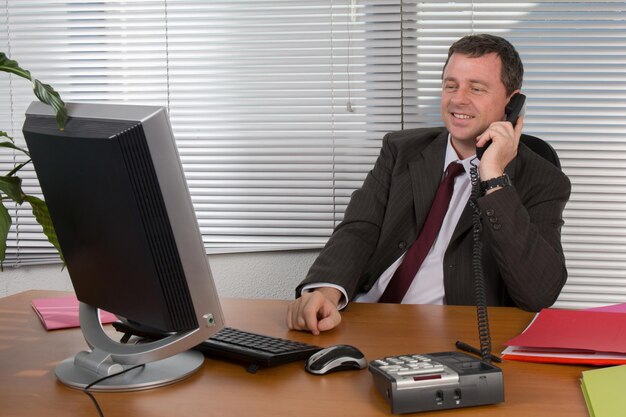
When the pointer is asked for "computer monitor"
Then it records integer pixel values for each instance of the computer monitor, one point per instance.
(119, 202)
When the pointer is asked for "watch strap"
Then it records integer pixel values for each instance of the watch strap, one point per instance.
(501, 181)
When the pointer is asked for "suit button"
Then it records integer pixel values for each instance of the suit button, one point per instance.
(490, 212)
(497, 226)
(493, 219)
(402, 245)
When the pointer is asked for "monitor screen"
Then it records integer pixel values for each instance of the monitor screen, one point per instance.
(119, 202)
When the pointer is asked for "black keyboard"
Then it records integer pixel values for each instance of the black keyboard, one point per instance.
(255, 349)
(252, 349)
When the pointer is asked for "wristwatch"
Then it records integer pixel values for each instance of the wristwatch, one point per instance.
(502, 181)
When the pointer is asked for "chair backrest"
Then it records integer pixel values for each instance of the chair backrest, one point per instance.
(541, 148)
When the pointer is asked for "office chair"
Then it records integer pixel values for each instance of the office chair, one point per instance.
(541, 148)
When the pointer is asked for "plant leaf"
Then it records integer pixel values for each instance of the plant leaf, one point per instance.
(11, 145)
(8, 65)
(44, 92)
(12, 187)
(40, 210)
(5, 225)
(6, 135)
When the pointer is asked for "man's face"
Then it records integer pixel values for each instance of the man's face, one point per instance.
(472, 97)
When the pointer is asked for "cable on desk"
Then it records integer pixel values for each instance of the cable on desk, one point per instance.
(90, 395)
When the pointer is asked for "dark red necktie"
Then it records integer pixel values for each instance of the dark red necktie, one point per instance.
(402, 278)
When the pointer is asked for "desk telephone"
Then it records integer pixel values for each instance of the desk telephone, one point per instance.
(436, 381)
(444, 380)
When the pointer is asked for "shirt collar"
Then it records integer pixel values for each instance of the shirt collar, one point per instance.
(451, 156)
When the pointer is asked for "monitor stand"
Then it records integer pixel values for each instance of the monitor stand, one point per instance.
(152, 375)
(165, 361)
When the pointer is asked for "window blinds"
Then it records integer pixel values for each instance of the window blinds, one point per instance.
(279, 106)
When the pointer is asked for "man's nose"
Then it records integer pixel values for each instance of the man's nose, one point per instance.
(461, 96)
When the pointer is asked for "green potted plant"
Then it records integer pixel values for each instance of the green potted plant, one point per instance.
(10, 183)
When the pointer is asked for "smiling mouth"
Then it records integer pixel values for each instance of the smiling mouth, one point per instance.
(461, 116)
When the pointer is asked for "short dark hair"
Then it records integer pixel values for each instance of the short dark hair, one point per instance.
(512, 71)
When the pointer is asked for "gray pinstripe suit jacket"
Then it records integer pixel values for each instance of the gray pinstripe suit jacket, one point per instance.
(523, 259)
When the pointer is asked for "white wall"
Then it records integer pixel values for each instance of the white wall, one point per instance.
(249, 275)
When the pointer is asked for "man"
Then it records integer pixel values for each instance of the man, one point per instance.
(522, 256)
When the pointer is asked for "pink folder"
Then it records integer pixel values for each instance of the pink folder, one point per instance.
(62, 312)
(615, 308)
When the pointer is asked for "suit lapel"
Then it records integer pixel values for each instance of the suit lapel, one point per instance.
(464, 223)
(425, 172)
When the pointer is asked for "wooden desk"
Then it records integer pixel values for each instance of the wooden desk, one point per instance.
(28, 355)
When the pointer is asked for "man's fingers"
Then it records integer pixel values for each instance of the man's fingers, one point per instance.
(302, 313)
(310, 323)
(315, 307)
(311, 310)
(330, 322)
(294, 319)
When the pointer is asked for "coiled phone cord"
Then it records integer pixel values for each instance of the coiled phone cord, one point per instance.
(477, 267)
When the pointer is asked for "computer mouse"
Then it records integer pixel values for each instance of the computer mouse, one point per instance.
(336, 358)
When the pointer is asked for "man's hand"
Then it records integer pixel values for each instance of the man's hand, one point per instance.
(315, 311)
(503, 150)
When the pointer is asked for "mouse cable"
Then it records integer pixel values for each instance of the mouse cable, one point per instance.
(90, 395)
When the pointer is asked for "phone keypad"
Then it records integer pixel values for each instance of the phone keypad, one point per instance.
(409, 365)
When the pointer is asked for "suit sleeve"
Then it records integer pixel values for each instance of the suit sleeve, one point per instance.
(523, 225)
(349, 249)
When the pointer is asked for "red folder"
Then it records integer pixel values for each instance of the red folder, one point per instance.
(596, 331)
(571, 336)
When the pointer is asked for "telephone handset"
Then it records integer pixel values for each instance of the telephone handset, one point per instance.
(512, 111)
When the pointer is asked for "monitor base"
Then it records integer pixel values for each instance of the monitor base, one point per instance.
(152, 375)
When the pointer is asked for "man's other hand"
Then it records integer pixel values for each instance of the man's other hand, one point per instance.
(315, 311)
